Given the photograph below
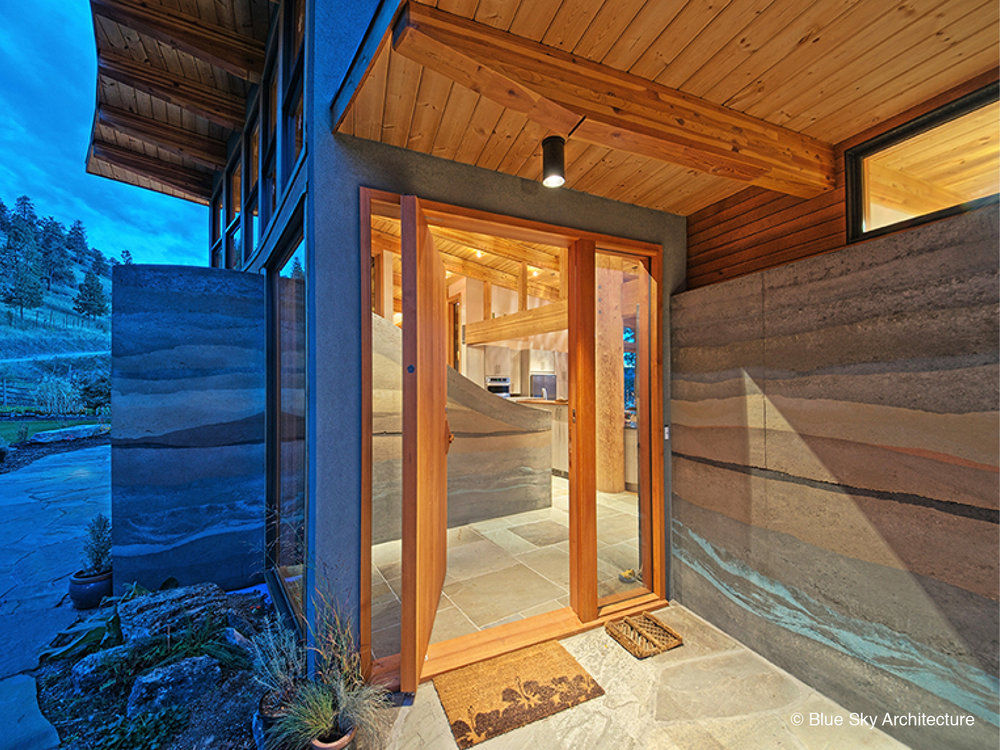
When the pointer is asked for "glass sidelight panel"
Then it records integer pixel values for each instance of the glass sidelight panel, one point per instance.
(624, 290)
(288, 534)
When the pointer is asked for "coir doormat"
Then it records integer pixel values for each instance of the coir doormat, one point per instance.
(492, 697)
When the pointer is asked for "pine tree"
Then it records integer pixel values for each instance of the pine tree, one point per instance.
(99, 265)
(76, 243)
(297, 272)
(24, 208)
(56, 263)
(126, 258)
(90, 300)
(21, 265)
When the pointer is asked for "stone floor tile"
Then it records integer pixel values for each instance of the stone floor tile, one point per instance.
(495, 595)
(541, 533)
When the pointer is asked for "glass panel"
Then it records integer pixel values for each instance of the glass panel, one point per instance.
(235, 190)
(289, 534)
(234, 246)
(622, 332)
(217, 255)
(251, 224)
(295, 130)
(951, 164)
(272, 106)
(253, 157)
(270, 194)
(217, 216)
(298, 26)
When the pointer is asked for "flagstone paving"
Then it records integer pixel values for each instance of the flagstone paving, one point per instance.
(709, 694)
(44, 511)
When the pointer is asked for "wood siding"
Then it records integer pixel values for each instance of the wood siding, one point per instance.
(757, 229)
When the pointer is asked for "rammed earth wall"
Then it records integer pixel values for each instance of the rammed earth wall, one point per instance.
(188, 400)
(835, 470)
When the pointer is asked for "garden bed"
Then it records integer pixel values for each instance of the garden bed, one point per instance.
(161, 670)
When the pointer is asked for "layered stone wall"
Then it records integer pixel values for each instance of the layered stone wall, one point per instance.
(188, 400)
(835, 470)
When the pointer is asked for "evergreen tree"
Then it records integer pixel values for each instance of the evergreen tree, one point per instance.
(24, 208)
(4, 218)
(90, 300)
(126, 258)
(100, 265)
(76, 243)
(56, 264)
(297, 272)
(21, 265)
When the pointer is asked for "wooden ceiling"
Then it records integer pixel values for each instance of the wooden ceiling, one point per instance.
(173, 77)
(782, 69)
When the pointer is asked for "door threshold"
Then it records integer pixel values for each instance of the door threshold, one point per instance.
(501, 639)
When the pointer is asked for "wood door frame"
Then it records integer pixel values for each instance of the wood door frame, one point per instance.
(585, 611)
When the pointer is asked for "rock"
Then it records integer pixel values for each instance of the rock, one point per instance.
(236, 638)
(79, 432)
(172, 610)
(93, 670)
(178, 684)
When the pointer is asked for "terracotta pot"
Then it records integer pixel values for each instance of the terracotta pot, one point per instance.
(340, 744)
(86, 591)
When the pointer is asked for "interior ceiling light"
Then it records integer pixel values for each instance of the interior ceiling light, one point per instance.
(553, 161)
(479, 253)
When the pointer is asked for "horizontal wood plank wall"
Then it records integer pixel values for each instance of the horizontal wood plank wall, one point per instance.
(757, 228)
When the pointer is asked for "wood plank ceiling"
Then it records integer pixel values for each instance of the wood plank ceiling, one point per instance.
(173, 77)
(827, 70)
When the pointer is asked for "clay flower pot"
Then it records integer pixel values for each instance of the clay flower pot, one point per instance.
(340, 744)
(87, 590)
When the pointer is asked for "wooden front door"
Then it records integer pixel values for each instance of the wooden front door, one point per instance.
(425, 439)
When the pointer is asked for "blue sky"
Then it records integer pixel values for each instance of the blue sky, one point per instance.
(47, 93)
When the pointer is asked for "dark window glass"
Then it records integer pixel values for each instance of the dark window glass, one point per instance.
(234, 246)
(235, 186)
(253, 157)
(216, 220)
(251, 226)
(298, 26)
(217, 255)
(272, 106)
(289, 534)
(270, 195)
(295, 130)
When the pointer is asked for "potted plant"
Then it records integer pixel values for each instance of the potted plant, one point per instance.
(89, 586)
(279, 666)
(337, 706)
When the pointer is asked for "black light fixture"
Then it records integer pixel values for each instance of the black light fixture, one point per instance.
(553, 161)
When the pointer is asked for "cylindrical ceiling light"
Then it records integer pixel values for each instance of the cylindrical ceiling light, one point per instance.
(553, 161)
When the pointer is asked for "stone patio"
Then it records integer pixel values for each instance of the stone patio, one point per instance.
(708, 694)
(45, 506)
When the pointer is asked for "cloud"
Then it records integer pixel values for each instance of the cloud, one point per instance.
(47, 94)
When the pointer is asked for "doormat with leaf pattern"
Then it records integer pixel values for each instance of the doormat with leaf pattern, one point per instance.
(492, 697)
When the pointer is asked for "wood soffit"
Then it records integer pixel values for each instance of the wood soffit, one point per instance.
(172, 84)
(672, 106)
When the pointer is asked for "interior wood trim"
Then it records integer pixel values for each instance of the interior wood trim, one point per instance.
(582, 432)
(543, 319)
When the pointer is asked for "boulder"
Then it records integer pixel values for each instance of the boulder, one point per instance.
(94, 669)
(235, 638)
(79, 432)
(171, 611)
(177, 684)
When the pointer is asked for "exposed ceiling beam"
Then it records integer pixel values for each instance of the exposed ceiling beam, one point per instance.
(544, 319)
(900, 191)
(220, 107)
(240, 55)
(502, 248)
(383, 241)
(194, 184)
(209, 152)
(601, 105)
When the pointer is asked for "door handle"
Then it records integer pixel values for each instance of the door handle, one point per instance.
(450, 436)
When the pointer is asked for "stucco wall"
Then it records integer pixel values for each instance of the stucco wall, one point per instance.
(187, 450)
(835, 470)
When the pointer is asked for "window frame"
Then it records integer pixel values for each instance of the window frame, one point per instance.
(854, 162)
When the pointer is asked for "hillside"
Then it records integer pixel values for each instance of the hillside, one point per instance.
(53, 357)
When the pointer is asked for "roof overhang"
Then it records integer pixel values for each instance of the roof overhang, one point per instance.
(673, 109)
(171, 88)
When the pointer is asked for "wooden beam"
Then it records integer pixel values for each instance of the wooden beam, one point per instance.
(382, 240)
(522, 287)
(208, 152)
(544, 319)
(610, 108)
(220, 107)
(487, 300)
(240, 55)
(196, 185)
(501, 247)
(904, 192)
